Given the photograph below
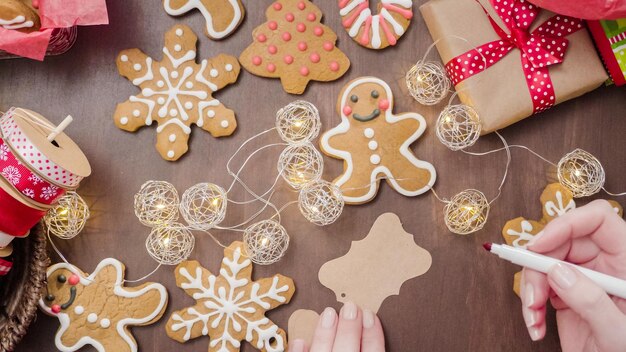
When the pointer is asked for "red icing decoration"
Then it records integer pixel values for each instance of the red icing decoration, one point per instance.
(347, 110)
(302, 46)
(408, 14)
(365, 38)
(311, 17)
(304, 71)
(271, 67)
(277, 6)
(257, 60)
(301, 5)
(318, 31)
(286, 36)
(289, 17)
(272, 49)
(383, 104)
(301, 27)
(55, 308)
(288, 59)
(261, 38)
(315, 58)
(73, 280)
(334, 66)
(390, 38)
(328, 46)
(272, 25)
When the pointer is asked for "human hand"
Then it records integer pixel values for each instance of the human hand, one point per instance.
(353, 331)
(592, 236)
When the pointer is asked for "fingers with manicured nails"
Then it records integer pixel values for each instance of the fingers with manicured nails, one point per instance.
(297, 346)
(534, 292)
(592, 304)
(324, 336)
(373, 339)
(349, 329)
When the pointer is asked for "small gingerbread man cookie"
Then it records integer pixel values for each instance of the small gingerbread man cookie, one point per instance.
(222, 16)
(98, 310)
(15, 14)
(176, 92)
(374, 143)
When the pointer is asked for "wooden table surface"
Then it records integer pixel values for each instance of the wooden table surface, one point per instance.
(465, 301)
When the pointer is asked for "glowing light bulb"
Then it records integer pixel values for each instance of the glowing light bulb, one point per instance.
(166, 241)
(160, 206)
(447, 119)
(264, 241)
(215, 202)
(577, 173)
(64, 212)
(298, 124)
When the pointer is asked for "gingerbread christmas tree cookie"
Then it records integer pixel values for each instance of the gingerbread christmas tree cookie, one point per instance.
(374, 143)
(176, 92)
(230, 307)
(222, 16)
(98, 310)
(294, 46)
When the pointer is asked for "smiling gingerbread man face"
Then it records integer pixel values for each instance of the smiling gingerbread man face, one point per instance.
(375, 143)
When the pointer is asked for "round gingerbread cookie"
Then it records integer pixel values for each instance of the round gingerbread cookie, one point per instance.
(380, 30)
(15, 14)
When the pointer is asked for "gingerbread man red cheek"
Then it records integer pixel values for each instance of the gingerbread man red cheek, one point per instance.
(374, 144)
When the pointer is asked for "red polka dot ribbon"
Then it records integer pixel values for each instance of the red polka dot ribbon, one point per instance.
(539, 49)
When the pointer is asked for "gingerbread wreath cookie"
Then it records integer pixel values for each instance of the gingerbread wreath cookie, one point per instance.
(376, 31)
(374, 143)
(222, 16)
(294, 46)
(176, 92)
(556, 200)
(230, 307)
(98, 310)
(15, 14)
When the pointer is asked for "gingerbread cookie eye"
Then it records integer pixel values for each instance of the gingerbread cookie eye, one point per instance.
(375, 94)
(50, 297)
(61, 279)
(354, 98)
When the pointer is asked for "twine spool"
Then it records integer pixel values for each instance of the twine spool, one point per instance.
(458, 126)
(170, 244)
(321, 202)
(156, 203)
(203, 206)
(466, 212)
(428, 82)
(300, 164)
(68, 217)
(265, 242)
(298, 122)
(581, 172)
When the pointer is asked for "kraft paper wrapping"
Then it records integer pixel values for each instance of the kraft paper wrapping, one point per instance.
(500, 94)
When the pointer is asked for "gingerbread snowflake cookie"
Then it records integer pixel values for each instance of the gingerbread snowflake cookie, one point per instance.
(97, 310)
(176, 92)
(15, 14)
(376, 31)
(374, 143)
(230, 307)
(222, 16)
(556, 200)
(295, 46)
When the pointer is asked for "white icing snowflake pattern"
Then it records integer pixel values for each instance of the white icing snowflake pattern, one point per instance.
(230, 307)
(35, 179)
(49, 192)
(524, 235)
(11, 174)
(28, 193)
(4, 152)
(559, 209)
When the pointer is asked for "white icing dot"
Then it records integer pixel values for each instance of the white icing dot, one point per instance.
(105, 323)
(161, 100)
(224, 124)
(375, 159)
(369, 133)
(124, 120)
(160, 84)
(177, 47)
(188, 105)
(137, 67)
(210, 113)
(136, 113)
(174, 74)
(173, 112)
(124, 58)
(372, 145)
(172, 138)
(179, 32)
(92, 318)
(79, 310)
(170, 154)
(228, 67)
(189, 84)
(213, 72)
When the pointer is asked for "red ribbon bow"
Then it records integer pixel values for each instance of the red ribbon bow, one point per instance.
(540, 48)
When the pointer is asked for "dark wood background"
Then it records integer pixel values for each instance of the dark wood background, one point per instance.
(464, 302)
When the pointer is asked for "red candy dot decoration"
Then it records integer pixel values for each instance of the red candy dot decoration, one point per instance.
(257, 60)
(288, 59)
(311, 17)
(301, 5)
(347, 110)
(272, 49)
(315, 58)
(301, 27)
(334, 66)
(302, 46)
(261, 38)
(272, 25)
(73, 280)
(328, 46)
(271, 67)
(277, 6)
(289, 17)
(318, 31)
(383, 104)
(286, 36)
(304, 71)
(55, 308)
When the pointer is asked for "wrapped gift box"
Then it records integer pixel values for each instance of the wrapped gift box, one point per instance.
(610, 38)
(501, 93)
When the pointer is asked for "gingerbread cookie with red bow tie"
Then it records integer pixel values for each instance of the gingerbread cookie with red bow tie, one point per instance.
(374, 143)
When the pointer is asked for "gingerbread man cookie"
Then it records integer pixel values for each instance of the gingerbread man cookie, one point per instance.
(15, 14)
(374, 143)
(295, 46)
(230, 307)
(376, 31)
(176, 92)
(556, 200)
(222, 16)
(98, 310)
